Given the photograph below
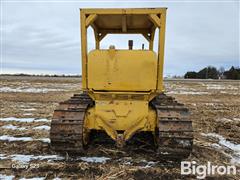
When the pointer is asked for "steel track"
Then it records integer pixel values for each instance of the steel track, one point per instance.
(175, 132)
(174, 135)
(67, 131)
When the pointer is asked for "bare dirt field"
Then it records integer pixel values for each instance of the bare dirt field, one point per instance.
(27, 104)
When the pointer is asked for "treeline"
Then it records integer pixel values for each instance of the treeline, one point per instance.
(41, 75)
(211, 72)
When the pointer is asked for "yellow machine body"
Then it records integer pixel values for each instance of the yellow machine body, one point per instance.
(126, 116)
(122, 82)
(122, 70)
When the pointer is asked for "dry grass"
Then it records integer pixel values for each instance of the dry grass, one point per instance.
(214, 108)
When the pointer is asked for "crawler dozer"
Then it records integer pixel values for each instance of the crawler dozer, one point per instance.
(122, 89)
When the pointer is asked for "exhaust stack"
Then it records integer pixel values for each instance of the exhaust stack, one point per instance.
(130, 44)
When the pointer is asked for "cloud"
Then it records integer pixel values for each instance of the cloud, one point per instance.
(42, 36)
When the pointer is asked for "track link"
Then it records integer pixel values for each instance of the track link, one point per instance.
(67, 130)
(175, 133)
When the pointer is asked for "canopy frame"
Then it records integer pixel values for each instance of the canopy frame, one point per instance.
(153, 18)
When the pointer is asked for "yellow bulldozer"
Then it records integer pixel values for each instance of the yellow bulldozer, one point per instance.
(122, 89)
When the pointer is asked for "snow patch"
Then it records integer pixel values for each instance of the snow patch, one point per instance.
(35, 178)
(187, 92)
(41, 120)
(214, 86)
(6, 177)
(219, 87)
(95, 159)
(45, 140)
(2, 156)
(209, 104)
(12, 138)
(28, 89)
(27, 114)
(24, 119)
(44, 127)
(150, 164)
(21, 158)
(50, 157)
(231, 93)
(29, 109)
(27, 158)
(12, 127)
(215, 145)
(17, 119)
(39, 128)
(222, 142)
(224, 120)
(236, 119)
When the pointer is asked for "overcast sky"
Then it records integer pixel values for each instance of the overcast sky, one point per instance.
(43, 37)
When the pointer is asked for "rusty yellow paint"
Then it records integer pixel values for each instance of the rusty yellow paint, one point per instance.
(122, 82)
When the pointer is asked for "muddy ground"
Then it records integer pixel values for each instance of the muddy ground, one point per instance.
(27, 104)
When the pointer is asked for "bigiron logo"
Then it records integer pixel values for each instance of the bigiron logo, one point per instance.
(201, 171)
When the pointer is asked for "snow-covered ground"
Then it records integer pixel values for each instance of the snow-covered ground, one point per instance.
(34, 178)
(29, 109)
(203, 89)
(44, 127)
(25, 87)
(22, 128)
(24, 119)
(6, 177)
(12, 127)
(23, 158)
(28, 89)
(26, 158)
(218, 86)
(233, 120)
(12, 138)
(187, 92)
(95, 159)
(222, 144)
